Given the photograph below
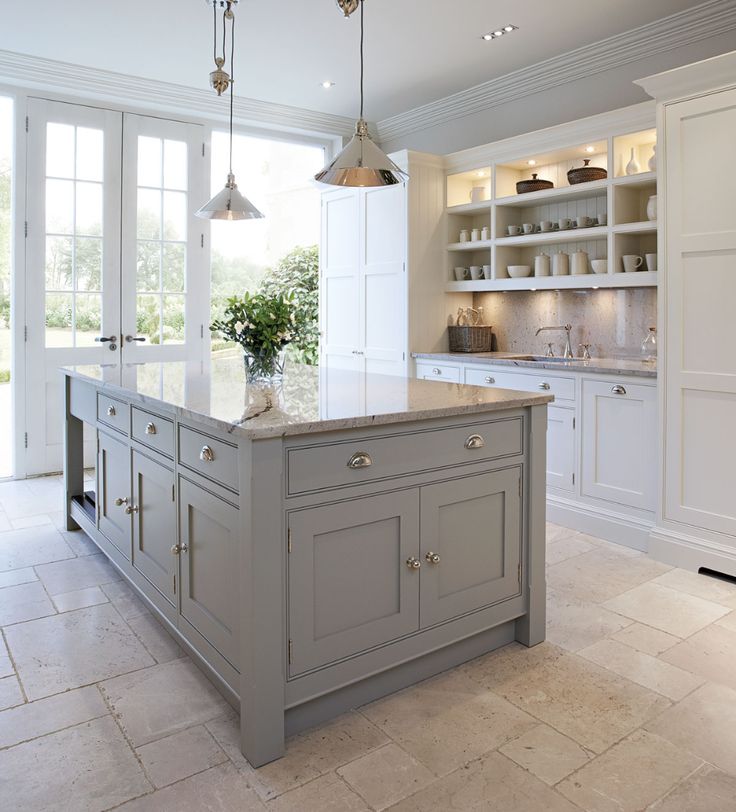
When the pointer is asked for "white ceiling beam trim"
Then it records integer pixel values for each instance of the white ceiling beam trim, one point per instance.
(685, 27)
(79, 82)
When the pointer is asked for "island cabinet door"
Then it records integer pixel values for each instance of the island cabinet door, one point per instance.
(352, 585)
(470, 544)
(154, 524)
(114, 492)
(208, 559)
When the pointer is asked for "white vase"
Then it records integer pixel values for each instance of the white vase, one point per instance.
(653, 160)
(652, 208)
(632, 167)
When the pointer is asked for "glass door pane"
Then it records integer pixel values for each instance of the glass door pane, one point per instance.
(6, 225)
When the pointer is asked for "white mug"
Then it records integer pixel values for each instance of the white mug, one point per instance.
(564, 223)
(599, 265)
(632, 262)
(528, 228)
(486, 272)
(461, 274)
(475, 235)
(514, 231)
(476, 272)
(651, 262)
(583, 221)
(546, 225)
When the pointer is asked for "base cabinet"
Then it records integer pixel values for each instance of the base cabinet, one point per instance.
(561, 448)
(114, 492)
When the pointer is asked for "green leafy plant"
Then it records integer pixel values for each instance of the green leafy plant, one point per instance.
(263, 325)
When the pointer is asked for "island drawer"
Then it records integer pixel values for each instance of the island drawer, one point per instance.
(353, 462)
(153, 431)
(561, 388)
(209, 457)
(113, 412)
(438, 372)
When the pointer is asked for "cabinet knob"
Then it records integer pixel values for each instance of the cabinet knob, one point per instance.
(176, 549)
(413, 563)
(111, 411)
(618, 389)
(544, 385)
(206, 454)
(474, 441)
(436, 371)
(361, 459)
(150, 428)
(432, 558)
(121, 500)
(132, 509)
(489, 379)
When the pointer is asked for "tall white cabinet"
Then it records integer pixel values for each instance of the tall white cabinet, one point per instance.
(696, 526)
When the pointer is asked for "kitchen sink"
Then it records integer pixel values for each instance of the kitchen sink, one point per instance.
(543, 358)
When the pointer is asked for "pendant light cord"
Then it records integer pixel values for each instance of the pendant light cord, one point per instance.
(362, 33)
(232, 82)
(214, 35)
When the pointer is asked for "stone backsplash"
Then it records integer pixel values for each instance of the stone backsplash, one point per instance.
(613, 322)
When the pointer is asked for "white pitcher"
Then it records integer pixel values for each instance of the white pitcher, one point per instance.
(579, 263)
(560, 264)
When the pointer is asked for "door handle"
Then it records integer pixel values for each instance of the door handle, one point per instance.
(618, 389)
(130, 339)
(105, 339)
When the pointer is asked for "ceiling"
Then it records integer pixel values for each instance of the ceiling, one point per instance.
(417, 51)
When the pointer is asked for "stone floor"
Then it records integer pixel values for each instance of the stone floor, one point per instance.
(629, 705)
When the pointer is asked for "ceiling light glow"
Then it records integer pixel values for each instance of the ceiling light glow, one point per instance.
(327, 84)
(499, 32)
(532, 162)
(590, 150)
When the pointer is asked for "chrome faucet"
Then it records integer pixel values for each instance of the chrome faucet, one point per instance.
(567, 328)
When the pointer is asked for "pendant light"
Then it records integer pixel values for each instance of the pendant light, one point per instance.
(229, 204)
(361, 162)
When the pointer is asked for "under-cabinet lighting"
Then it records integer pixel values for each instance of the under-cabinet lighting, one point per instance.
(595, 287)
(531, 163)
(327, 85)
(499, 32)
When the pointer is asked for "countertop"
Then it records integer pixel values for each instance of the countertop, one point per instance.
(309, 399)
(605, 366)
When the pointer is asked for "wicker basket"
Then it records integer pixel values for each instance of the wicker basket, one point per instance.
(470, 339)
(534, 185)
(584, 174)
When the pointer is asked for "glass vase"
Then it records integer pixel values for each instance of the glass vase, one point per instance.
(263, 367)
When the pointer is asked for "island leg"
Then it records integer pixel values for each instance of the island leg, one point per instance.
(73, 457)
(531, 629)
(262, 615)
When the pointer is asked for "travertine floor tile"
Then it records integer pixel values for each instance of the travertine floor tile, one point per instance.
(30, 521)
(585, 702)
(4, 522)
(448, 721)
(73, 649)
(555, 532)
(77, 573)
(498, 667)
(221, 789)
(701, 586)
(646, 639)
(666, 609)
(326, 794)
(493, 784)
(14, 577)
(10, 693)
(124, 600)
(6, 667)
(707, 790)
(728, 621)
(711, 654)
(573, 624)
(703, 723)
(26, 502)
(181, 755)
(79, 599)
(631, 775)
(86, 768)
(565, 548)
(79, 542)
(546, 753)
(643, 669)
(49, 715)
(386, 776)
(24, 602)
(27, 548)
(160, 644)
(150, 703)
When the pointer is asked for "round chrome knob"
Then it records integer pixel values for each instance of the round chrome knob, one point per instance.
(184, 548)
(121, 500)
(544, 385)
(175, 549)
(432, 558)
(111, 411)
(436, 371)
(206, 454)
(489, 379)
(150, 428)
(132, 509)
(413, 563)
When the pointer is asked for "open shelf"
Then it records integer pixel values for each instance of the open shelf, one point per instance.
(470, 208)
(644, 227)
(478, 245)
(577, 192)
(640, 279)
(554, 237)
(641, 179)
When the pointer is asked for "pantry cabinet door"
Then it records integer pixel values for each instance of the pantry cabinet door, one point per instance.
(561, 448)
(350, 587)
(470, 544)
(113, 483)
(154, 524)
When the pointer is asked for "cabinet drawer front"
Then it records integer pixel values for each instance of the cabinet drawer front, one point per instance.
(354, 462)
(113, 412)
(438, 372)
(350, 587)
(209, 457)
(561, 388)
(154, 431)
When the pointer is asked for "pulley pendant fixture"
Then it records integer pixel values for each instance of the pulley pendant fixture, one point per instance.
(361, 162)
(229, 204)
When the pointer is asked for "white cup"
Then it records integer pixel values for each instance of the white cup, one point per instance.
(476, 272)
(564, 223)
(546, 225)
(487, 272)
(599, 265)
(528, 228)
(632, 262)
(514, 231)
(583, 221)
(651, 262)
(461, 274)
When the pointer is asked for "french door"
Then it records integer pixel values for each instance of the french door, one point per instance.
(116, 269)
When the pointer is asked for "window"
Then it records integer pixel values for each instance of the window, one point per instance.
(6, 156)
(277, 177)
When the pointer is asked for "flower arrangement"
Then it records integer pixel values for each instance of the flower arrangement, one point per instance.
(263, 325)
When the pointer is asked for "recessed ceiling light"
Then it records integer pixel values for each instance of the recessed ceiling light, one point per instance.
(480, 174)
(531, 163)
(499, 32)
(590, 150)
(327, 85)
(487, 37)
(509, 28)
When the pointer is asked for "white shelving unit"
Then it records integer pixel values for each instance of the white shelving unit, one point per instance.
(621, 198)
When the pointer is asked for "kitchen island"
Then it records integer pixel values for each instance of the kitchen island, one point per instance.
(318, 543)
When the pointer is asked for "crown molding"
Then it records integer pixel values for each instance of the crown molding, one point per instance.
(666, 34)
(84, 83)
(715, 73)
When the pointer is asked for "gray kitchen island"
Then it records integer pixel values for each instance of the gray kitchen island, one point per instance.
(319, 543)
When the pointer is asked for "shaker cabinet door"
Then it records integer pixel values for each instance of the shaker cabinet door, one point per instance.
(209, 549)
(470, 544)
(154, 524)
(350, 587)
(113, 472)
(560, 448)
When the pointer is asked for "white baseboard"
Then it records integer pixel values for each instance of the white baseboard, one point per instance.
(610, 525)
(690, 552)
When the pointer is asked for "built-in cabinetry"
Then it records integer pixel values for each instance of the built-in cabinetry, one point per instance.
(601, 443)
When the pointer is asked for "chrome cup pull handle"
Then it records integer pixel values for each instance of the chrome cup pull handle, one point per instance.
(150, 428)
(111, 411)
(490, 379)
(474, 441)
(436, 371)
(544, 385)
(206, 454)
(361, 459)
(618, 389)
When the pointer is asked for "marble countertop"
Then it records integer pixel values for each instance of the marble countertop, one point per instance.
(605, 366)
(309, 399)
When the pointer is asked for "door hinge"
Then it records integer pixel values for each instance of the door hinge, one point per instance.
(290, 651)
(201, 330)
(203, 145)
(175, 585)
(25, 228)
(573, 424)
(25, 333)
(26, 123)
(404, 266)
(519, 486)
(573, 479)
(201, 240)
(288, 542)
(518, 572)
(173, 493)
(25, 439)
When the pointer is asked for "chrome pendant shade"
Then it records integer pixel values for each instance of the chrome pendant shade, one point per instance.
(228, 204)
(361, 163)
